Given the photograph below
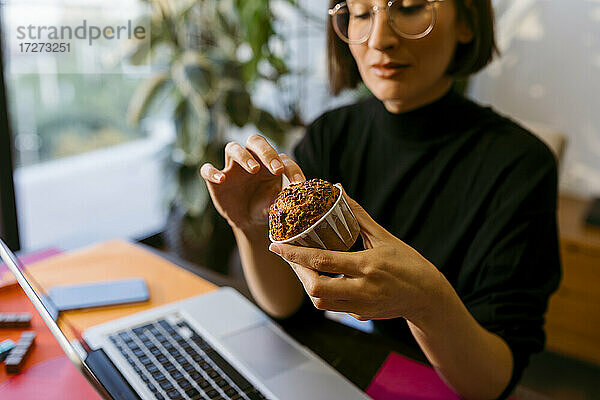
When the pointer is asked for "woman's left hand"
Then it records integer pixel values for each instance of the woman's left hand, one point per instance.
(388, 279)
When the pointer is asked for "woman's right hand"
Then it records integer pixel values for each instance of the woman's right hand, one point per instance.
(243, 191)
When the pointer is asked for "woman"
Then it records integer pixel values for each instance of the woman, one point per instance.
(456, 204)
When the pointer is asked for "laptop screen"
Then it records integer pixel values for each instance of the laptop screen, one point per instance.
(8, 213)
(13, 263)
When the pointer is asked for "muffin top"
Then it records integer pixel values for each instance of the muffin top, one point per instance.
(299, 206)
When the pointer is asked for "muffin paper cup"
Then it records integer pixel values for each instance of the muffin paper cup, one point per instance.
(336, 230)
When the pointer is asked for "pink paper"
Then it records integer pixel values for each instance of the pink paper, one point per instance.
(32, 257)
(402, 378)
(405, 379)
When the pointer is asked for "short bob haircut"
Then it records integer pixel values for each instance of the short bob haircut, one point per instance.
(468, 57)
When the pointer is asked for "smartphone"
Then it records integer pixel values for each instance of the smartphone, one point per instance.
(98, 294)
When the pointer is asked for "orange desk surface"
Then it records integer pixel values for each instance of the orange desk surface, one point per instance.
(106, 261)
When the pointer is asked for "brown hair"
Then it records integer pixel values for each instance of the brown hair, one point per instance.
(468, 57)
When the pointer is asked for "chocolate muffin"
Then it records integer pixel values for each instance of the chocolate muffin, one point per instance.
(299, 206)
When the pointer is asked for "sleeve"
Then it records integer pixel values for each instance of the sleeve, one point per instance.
(309, 152)
(513, 264)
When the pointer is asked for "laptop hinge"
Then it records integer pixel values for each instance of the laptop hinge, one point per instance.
(106, 372)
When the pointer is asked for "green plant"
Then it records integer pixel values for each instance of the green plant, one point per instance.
(197, 48)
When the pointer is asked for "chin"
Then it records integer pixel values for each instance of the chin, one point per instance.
(390, 90)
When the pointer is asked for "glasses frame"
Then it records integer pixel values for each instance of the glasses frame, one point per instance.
(376, 9)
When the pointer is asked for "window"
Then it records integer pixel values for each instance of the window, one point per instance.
(83, 174)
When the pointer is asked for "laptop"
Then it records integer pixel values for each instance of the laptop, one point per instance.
(214, 346)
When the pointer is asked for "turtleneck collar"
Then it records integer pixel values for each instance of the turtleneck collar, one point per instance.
(432, 122)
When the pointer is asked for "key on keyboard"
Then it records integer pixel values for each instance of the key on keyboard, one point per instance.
(175, 362)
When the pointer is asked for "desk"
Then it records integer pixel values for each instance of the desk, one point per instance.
(355, 354)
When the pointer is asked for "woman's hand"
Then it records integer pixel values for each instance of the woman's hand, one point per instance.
(245, 188)
(388, 279)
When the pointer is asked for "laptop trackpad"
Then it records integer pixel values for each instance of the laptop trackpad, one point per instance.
(264, 351)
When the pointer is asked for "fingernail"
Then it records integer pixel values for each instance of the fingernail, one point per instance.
(276, 164)
(219, 176)
(252, 164)
(274, 248)
(298, 178)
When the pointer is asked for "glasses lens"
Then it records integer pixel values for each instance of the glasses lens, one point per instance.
(352, 22)
(411, 17)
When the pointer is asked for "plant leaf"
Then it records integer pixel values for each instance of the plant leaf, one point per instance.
(192, 131)
(269, 125)
(144, 94)
(193, 192)
(238, 104)
(192, 75)
(193, 72)
(279, 65)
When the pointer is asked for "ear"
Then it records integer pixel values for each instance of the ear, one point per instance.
(464, 31)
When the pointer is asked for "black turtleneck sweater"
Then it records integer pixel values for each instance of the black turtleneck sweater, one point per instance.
(470, 190)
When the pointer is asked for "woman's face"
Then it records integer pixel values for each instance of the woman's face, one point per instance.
(408, 73)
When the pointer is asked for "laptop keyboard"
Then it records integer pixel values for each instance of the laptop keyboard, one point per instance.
(176, 363)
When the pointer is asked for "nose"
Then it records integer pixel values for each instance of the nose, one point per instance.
(382, 37)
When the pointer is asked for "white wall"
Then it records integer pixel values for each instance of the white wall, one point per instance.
(549, 72)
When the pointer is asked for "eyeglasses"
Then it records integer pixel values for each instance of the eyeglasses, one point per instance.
(353, 20)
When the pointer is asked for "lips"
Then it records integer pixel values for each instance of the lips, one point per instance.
(387, 70)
